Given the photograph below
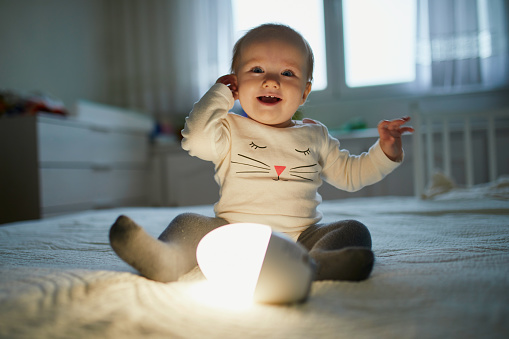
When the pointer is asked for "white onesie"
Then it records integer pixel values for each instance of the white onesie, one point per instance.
(271, 175)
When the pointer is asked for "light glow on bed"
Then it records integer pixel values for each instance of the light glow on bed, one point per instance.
(249, 262)
(206, 294)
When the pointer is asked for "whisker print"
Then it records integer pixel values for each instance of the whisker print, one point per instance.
(294, 170)
(302, 166)
(263, 168)
(244, 156)
(298, 176)
(241, 163)
(253, 172)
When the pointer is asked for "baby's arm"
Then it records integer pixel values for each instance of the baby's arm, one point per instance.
(204, 134)
(230, 80)
(390, 137)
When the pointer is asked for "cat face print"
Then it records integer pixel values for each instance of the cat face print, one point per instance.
(281, 163)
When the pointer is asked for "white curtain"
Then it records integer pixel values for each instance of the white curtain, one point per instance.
(164, 54)
(462, 43)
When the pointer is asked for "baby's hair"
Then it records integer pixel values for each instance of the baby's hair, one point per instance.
(274, 31)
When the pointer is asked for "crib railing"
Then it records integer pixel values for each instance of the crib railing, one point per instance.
(445, 142)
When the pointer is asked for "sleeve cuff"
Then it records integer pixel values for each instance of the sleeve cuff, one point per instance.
(382, 159)
(225, 92)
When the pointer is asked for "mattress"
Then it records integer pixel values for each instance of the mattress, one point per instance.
(441, 271)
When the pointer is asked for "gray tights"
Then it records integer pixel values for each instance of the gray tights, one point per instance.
(341, 250)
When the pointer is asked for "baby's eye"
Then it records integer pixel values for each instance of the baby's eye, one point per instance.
(287, 73)
(257, 70)
(306, 152)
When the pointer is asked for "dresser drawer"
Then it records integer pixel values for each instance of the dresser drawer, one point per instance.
(76, 189)
(57, 165)
(79, 143)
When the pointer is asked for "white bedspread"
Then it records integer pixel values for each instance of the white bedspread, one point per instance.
(442, 271)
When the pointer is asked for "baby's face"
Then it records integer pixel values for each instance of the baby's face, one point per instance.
(272, 81)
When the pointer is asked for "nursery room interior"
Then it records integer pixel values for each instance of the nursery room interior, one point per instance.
(94, 95)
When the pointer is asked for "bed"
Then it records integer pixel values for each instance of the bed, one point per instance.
(441, 271)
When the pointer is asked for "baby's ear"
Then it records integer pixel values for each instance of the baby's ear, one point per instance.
(309, 121)
(307, 90)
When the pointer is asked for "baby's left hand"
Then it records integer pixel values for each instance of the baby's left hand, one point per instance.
(390, 137)
(230, 80)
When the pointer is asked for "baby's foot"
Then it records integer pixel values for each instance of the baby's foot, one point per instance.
(351, 263)
(154, 259)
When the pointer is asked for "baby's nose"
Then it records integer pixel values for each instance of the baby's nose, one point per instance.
(270, 83)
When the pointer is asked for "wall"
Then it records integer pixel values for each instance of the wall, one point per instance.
(61, 47)
(337, 111)
(54, 46)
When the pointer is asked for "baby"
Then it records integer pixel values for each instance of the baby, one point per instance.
(268, 166)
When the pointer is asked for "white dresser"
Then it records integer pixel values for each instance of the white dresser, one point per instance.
(180, 179)
(53, 165)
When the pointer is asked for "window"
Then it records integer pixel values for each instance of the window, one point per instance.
(393, 47)
(379, 43)
(305, 16)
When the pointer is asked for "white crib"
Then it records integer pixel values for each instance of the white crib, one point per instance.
(471, 147)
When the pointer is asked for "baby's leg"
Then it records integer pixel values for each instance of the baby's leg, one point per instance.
(342, 250)
(186, 231)
(167, 258)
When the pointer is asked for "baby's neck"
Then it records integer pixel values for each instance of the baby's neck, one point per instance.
(289, 123)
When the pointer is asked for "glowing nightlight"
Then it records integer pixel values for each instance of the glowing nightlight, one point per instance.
(252, 262)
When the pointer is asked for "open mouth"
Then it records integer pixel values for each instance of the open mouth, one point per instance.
(269, 99)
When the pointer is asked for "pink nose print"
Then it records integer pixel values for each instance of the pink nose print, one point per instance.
(279, 169)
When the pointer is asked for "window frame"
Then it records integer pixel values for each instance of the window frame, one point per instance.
(336, 74)
(337, 89)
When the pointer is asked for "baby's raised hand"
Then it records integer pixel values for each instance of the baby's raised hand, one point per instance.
(390, 137)
(230, 80)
